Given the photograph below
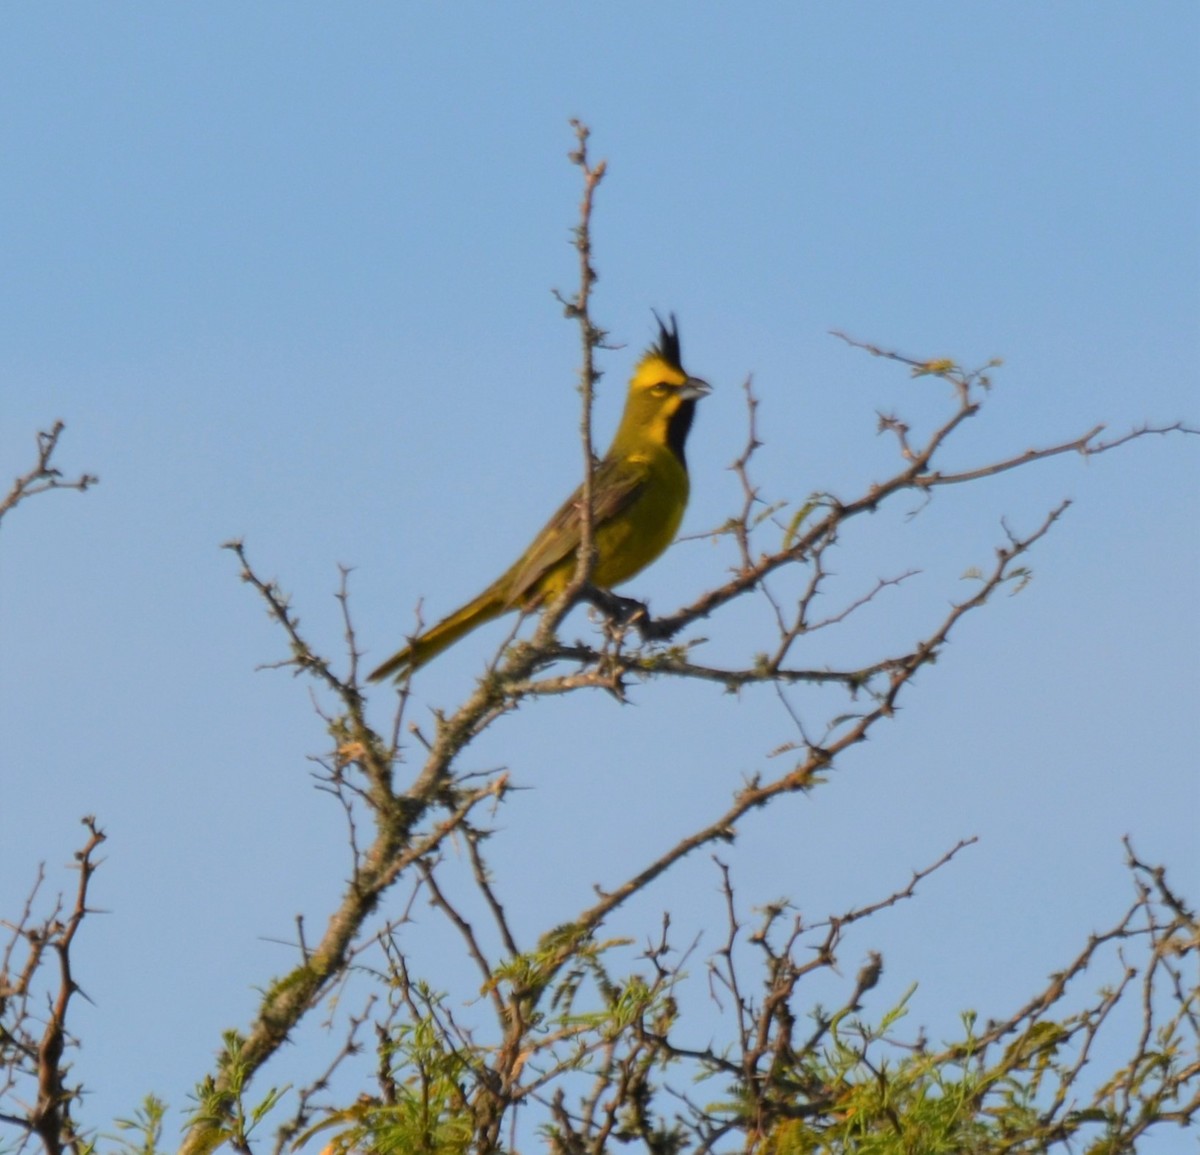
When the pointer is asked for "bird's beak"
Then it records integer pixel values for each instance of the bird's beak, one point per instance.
(693, 387)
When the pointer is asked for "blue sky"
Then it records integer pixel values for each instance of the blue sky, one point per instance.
(286, 272)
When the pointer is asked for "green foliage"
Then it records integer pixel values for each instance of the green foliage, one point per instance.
(142, 1134)
(221, 1111)
(425, 1106)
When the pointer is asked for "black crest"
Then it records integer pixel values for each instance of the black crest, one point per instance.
(668, 342)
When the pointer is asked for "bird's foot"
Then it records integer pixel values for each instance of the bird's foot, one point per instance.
(626, 612)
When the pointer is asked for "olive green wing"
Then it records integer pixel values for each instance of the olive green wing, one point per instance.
(616, 485)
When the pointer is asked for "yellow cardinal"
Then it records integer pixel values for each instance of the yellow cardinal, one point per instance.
(639, 492)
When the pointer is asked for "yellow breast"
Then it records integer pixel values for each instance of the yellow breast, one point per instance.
(625, 545)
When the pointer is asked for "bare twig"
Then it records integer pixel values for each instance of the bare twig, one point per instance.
(44, 475)
(592, 337)
(398, 828)
(38, 1050)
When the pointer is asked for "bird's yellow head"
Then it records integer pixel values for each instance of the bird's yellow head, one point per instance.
(662, 397)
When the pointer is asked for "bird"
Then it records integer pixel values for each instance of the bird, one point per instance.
(639, 493)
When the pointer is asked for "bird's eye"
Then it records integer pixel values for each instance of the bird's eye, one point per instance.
(660, 390)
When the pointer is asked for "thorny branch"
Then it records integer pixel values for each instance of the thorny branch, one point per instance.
(592, 337)
(401, 822)
(800, 547)
(830, 1085)
(33, 1047)
(307, 1098)
(532, 1050)
(44, 475)
(408, 834)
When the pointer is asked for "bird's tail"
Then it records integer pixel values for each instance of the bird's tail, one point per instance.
(433, 641)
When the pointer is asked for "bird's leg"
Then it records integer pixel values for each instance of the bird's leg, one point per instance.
(625, 612)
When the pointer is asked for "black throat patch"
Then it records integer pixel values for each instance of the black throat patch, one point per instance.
(678, 427)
